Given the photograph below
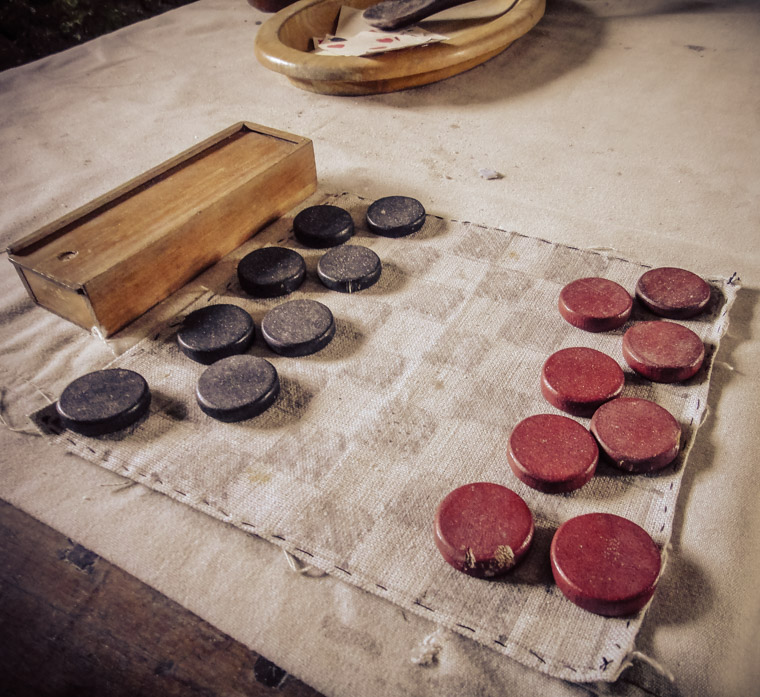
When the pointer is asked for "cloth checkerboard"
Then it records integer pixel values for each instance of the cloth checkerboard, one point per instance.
(429, 371)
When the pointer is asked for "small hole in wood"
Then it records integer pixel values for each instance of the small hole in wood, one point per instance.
(66, 256)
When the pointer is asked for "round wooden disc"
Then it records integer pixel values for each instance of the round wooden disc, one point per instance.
(237, 388)
(636, 435)
(323, 226)
(271, 271)
(215, 332)
(663, 351)
(605, 564)
(104, 401)
(395, 216)
(552, 453)
(595, 304)
(349, 268)
(483, 529)
(579, 380)
(298, 327)
(672, 292)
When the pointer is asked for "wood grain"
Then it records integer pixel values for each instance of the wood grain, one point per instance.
(73, 624)
(111, 260)
(283, 45)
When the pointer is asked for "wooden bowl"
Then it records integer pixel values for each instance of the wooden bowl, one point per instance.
(284, 41)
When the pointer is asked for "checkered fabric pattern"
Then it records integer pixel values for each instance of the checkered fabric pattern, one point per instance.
(429, 371)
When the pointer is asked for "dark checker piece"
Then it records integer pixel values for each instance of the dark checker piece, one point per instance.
(637, 435)
(298, 327)
(605, 564)
(552, 453)
(349, 268)
(323, 226)
(271, 271)
(663, 351)
(673, 292)
(215, 332)
(237, 388)
(483, 529)
(595, 304)
(395, 216)
(579, 380)
(104, 401)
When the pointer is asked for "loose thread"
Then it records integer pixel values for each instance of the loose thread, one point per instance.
(95, 331)
(25, 431)
(5, 421)
(303, 569)
(39, 389)
(122, 486)
(540, 658)
(658, 667)
(426, 654)
(664, 557)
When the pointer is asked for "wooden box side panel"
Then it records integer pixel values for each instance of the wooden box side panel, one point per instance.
(69, 303)
(132, 287)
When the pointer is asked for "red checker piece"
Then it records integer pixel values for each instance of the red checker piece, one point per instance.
(663, 351)
(595, 304)
(672, 292)
(552, 453)
(483, 529)
(636, 435)
(579, 380)
(605, 564)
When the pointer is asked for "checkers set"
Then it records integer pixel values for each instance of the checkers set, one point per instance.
(482, 529)
(380, 425)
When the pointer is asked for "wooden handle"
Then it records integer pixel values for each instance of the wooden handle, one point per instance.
(395, 14)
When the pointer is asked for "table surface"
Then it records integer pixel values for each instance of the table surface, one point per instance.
(619, 125)
(72, 620)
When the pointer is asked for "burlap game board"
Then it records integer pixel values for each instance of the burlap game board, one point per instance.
(429, 371)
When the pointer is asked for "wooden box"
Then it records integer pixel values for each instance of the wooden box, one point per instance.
(105, 264)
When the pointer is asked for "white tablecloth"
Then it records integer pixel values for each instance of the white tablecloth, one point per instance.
(621, 125)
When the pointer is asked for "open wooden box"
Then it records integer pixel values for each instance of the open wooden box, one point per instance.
(105, 264)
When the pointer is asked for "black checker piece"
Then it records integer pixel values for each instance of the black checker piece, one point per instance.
(349, 268)
(237, 388)
(395, 216)
(298, 327)
(323, 226)
(215, 332)
(104, 401)
(271, 271)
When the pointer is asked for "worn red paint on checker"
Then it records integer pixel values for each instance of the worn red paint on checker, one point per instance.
(595, 304)
(605, 564)
(483, 529)
(636, 435)
(579, 380)
(672, 292)
(663, 351)
(552, 453)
